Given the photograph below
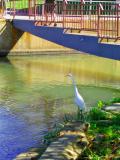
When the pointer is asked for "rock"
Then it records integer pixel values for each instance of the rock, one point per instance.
(74, 149)
(70, 145)
(99, 138)
(27, 156)
(76, 126)
(104, 122)
(113, 107)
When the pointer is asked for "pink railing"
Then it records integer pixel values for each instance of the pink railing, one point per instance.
(80, 18)
(104, 21)
(109, 24)
(48, 14)
(101, 18)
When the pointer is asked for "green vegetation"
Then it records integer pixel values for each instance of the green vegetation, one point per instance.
(53, 134)
(103, 134)
(21, 4)
(104, 139)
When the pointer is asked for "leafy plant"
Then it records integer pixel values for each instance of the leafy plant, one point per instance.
(53, 134)
(100, 104)
(94, 156)
(116, 119)
(97, 114)
(115, 100)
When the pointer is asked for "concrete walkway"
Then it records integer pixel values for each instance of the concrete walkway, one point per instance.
(69, 146)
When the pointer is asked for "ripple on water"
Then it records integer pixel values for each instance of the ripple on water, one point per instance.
(15, 135)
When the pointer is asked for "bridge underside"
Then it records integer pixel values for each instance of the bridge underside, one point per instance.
(84, 43)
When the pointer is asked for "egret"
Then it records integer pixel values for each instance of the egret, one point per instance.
(79, 101)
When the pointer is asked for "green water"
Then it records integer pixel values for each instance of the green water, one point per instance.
(36, 90)
(31, 80)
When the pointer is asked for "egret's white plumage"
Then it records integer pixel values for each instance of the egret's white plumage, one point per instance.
(79, 101)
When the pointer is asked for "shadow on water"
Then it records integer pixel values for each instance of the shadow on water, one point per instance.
(9, 80)
(9, 36)
(5, 60)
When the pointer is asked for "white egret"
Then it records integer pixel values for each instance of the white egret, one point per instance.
(79, 101)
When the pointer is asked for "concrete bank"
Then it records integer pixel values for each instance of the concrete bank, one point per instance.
(17, 42)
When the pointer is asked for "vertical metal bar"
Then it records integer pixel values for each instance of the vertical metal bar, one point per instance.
(98, 23)
(35, 10)
(117, 20)
(82, 18)
(29, 8)
(63, 13)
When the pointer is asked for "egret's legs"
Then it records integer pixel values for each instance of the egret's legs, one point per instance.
(80, 115)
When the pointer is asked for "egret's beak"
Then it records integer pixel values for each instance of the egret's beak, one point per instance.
(69, 75)
(66, 75)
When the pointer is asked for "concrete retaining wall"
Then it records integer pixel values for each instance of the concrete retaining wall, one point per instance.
(16, 42)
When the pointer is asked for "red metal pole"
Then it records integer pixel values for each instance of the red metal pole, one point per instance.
(82, 14)
(117, 20)
(98, 23)
(35, 9)
(63, 13)
(29, 9)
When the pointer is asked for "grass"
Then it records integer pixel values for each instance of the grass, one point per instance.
(104, 140)
(103, 134)
(21, 4)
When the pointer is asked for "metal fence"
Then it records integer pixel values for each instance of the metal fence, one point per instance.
(102, 17)
(109, 22)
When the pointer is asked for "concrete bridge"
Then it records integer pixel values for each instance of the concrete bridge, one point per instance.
(74, 25)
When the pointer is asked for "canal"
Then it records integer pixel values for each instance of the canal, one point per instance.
(35, 94)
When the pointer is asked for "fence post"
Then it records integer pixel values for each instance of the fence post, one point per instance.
(117, 20)
(29, 8)
(82, 13)
(98, 23)
(35, 9)
(63, 13)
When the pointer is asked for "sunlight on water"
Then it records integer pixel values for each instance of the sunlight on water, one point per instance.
(34, 94)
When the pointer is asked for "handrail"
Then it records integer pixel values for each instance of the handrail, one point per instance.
(88, 16)
(90, 1)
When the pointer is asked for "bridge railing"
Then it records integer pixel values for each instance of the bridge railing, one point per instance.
(27, 6)
(99, 16)
(109, 24)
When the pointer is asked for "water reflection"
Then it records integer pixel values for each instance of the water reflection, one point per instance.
(86, 69)
(34, 94)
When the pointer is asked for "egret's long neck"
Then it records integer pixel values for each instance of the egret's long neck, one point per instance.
(74, 84)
